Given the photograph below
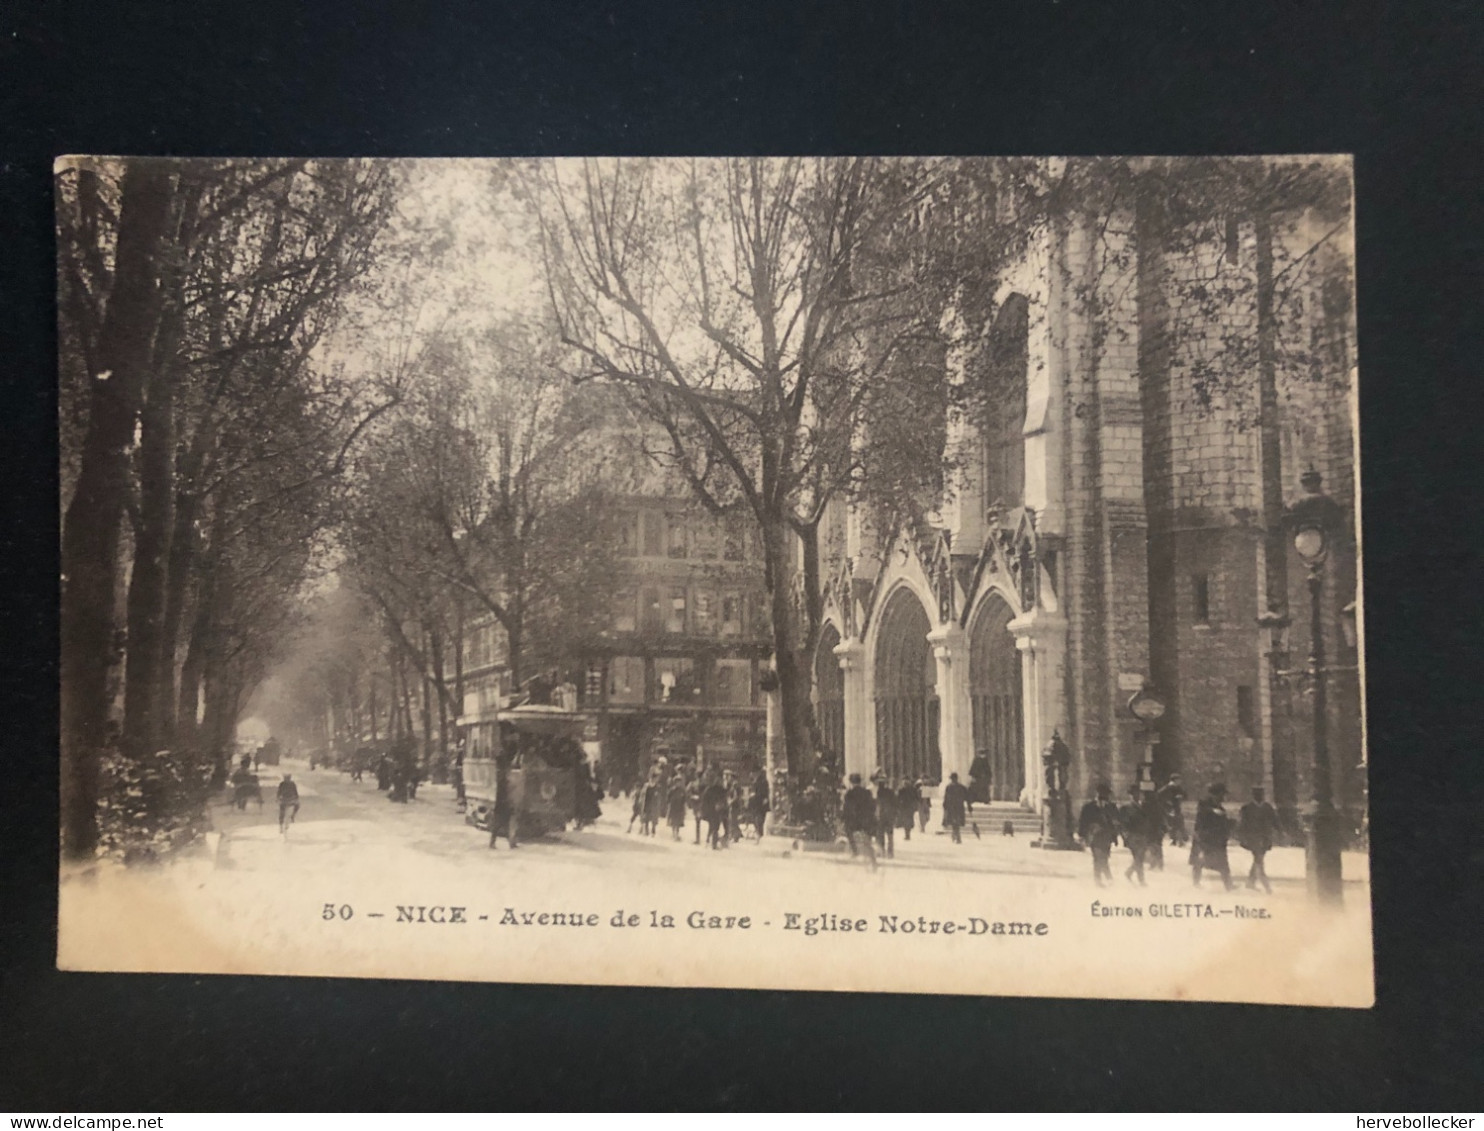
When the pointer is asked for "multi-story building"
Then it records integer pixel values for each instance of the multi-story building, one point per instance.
(1105, 531)
(677, 672)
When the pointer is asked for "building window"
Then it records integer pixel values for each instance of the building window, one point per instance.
(731, 614)
(1200, 587)
(626, 679)
(675, 679)
(705, 612)
(706, 540)
(654, 535)
(653, 616)
(734, 542)
(675, 611)
(628, 535)
(624, 611)
(733, 683)
(1246, 712)
(677, 541)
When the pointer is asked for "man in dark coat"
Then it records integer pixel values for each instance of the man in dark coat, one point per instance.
(1212, 831)
(383, 773)
(1172, 798)
(288, 802)
(1255, 831)
(956, 803)
(1097, 826)
(858, 814)
(979, 778)
(758, 802)
(654, 802)
(908, 799)
(714, 809)
(886, 816)
(1133, 818)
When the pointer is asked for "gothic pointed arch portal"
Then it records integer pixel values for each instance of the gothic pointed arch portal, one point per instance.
(994, 686)
(906, 692)
(829, 695)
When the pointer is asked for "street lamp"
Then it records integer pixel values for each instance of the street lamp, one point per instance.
(1313, 520)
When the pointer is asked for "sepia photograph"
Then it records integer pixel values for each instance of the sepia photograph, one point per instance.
(926, 575)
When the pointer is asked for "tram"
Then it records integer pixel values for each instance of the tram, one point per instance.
(540, 751)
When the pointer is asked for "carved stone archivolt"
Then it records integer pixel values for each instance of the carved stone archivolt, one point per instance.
(1019, 560)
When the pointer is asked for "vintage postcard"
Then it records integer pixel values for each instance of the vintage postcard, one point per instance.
(926, 575)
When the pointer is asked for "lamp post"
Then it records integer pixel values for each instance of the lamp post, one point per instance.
(1313, 521)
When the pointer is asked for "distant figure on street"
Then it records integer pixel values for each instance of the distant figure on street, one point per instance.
(506, 814)
(1133, 818)
(858, 814)
(641, 791)
(693, 790)
(1172, 798)
(886, 816)
(909, 800)
(1212, 831)
(456, 775)
(924, 806)
(714, 810)
(758, 803)
(288, 802)
(1256, 827)
(956, 803)
(383, 773)
(980, 777)
(734, 805)
(654, 803)
(675, 806)
(1097, 827)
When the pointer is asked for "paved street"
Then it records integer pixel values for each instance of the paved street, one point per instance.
(352, 827)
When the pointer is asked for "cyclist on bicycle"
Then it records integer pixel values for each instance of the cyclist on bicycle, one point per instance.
(288, 801)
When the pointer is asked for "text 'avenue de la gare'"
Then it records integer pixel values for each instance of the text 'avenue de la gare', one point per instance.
(809, 925)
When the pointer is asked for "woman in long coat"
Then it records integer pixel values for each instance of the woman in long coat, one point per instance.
(675, 806)
(654, 804)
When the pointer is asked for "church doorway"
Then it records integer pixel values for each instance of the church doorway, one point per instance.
(994, 685)
(829, 697)
(906, 692)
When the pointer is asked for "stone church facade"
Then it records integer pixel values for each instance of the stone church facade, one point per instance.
(1104, 531)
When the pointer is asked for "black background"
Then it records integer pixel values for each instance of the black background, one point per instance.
(1398, 85)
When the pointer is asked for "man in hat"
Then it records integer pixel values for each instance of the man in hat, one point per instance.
(956, 802)
(1255, 829)
(858, 815)
(1211, 833)
(1134, 820)
(1097, 827)
(886, 815)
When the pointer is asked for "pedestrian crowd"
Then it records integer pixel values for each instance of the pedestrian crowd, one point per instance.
(731, 809)
(1147, 817)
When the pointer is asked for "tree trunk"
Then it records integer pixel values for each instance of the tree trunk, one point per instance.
(91, 530)
(146, 695)
(179, 562)
(192, 673)
(790, 658)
